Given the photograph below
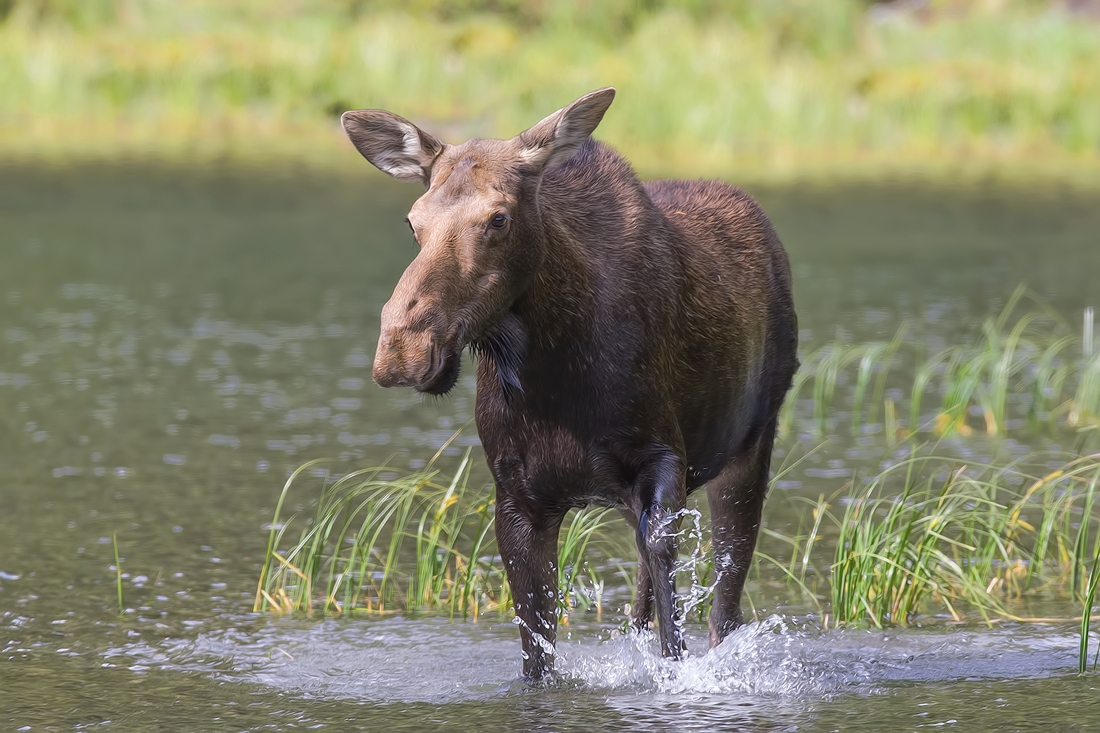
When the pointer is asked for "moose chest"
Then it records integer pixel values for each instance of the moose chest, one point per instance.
(565, 440)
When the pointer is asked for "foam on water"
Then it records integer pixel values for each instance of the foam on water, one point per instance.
(433, 660)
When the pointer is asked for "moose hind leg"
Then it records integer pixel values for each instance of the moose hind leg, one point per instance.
(661, 487)
(528, 548)
(736, 498)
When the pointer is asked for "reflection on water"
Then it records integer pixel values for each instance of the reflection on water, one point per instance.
(173, 342)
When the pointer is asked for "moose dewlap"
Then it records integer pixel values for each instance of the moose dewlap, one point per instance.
(635, 341)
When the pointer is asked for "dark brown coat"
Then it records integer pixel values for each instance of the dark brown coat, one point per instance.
(636, 343)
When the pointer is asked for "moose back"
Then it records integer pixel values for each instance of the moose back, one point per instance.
(635, 343)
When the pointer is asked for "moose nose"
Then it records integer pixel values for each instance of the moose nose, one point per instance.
(388, 366)
(386, 376)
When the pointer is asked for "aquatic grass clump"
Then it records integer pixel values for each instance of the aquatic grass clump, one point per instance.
(1037, 361)
(379, 543)
(933, 536)
(931, 533)
(967, 539)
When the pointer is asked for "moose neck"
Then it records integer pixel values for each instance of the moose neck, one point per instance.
(589, 213)
(585, 219)
(558, 302)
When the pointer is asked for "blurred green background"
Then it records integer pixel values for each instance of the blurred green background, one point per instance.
(763, 87)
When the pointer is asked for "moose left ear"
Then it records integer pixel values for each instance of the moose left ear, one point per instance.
(392, 144)
(557, 137)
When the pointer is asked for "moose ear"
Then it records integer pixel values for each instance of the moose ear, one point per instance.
(392, 144)
(557, 137)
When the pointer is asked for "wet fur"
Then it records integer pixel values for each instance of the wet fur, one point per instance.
(635, 343)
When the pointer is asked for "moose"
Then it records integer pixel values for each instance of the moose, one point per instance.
(634, 342)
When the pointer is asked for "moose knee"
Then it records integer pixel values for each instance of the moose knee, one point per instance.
(657, 538)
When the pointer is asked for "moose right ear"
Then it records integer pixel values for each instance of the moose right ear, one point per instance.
(557, 137)
(392, 144)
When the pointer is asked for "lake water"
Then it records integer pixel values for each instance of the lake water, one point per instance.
(173, 342)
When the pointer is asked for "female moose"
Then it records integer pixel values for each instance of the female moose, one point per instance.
(636, 343)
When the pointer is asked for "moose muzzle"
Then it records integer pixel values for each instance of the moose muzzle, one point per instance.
(411, 353)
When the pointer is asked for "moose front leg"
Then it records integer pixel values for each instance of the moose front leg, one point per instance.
(528, 544)
(661, 489)
(642, 611)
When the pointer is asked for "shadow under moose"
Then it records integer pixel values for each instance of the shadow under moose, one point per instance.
(635, 343)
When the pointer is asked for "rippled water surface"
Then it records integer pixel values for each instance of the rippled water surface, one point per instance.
(173, 342)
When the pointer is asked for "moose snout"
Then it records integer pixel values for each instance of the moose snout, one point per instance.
(401, 339)
(419, 344)
(390, 367)
(410, 359)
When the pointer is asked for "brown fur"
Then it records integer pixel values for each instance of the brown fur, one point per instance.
(636, 344)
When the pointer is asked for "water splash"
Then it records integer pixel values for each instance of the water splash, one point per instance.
(773, 657)
(694, 563)
(546, 645)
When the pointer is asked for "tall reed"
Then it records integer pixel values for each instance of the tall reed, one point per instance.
(118, 574)
(1086, 616)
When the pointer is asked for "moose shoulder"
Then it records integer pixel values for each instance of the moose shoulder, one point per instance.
(636, 343)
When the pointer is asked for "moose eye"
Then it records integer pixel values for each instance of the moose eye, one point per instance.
(499, 221)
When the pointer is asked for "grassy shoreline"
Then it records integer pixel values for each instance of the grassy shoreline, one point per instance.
(765, 91)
